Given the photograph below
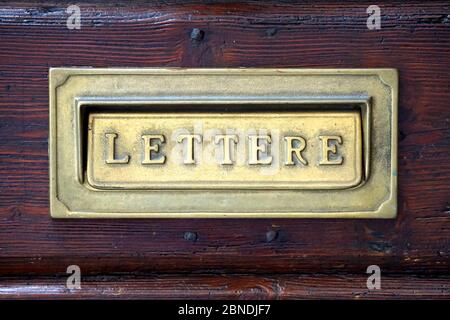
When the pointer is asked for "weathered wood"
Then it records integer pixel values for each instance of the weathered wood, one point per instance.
(231, 286)
(415, 38)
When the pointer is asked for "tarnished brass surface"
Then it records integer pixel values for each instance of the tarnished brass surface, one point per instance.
(146, 152)
(223, 143)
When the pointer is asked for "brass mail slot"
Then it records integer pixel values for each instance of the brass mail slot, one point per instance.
(304, 150)
(183, 143)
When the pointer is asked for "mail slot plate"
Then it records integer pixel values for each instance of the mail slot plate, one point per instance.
(85, 102)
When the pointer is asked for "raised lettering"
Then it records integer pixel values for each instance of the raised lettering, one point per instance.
(110, 158)
(255, 148)
(227, 146)
(149, 148)
(189, 154)
(327, 148)
(290, 150)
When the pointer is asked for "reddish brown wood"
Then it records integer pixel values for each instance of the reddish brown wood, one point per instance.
(415, 38)
(287, 286)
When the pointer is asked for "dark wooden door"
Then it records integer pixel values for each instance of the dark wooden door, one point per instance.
(226, 258)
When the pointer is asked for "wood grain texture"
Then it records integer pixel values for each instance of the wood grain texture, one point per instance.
(230, 286)
(414, 38)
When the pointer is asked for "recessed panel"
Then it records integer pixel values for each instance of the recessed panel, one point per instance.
(302, 150)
